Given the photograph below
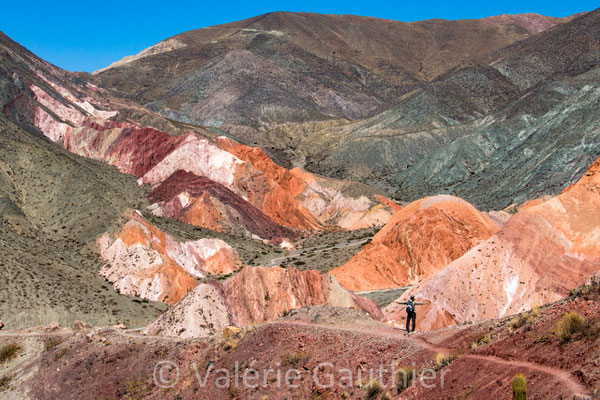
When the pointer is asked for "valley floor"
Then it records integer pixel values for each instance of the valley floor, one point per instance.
(312, 353)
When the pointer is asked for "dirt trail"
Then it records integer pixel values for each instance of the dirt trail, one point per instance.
(125, 334)
(568, 380)
(575, 388)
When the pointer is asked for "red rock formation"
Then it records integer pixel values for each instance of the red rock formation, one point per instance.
(541, 253)
(317, 197)
(292, 198)
(263, 294)
(418, 242)
(202, 312)
(79, 116)
(144, 261)
(254, 296)
(200, 201)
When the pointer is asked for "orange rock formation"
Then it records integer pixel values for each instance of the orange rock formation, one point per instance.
(418, 242)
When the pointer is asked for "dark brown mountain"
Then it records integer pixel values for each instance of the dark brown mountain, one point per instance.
(298, 67)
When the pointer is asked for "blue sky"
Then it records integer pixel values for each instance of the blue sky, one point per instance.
(88, 35)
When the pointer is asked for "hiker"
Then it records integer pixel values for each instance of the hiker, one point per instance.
(411, 314)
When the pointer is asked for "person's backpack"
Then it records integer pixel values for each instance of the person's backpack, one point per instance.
(410, 307)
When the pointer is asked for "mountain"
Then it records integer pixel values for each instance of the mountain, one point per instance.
(238, 200)
(284, 67)
(537, 257)
(516, 125)
(255, 296)
(438, 103)
(154, 192)
(145, 262)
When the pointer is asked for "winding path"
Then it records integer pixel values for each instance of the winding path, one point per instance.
(574, 387)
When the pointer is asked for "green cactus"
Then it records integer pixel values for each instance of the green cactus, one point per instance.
(519, 387)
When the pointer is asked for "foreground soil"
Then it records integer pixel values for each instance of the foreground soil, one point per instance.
(318, 344)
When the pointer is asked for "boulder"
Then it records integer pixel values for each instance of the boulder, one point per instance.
(52, 326)
(79, 326)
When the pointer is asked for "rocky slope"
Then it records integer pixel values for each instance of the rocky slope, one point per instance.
(292, 198)
(53, 205)
(537, 257)
(254, 296)
(86, 120)
(417, 243)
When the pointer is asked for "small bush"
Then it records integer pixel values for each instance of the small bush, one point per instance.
(525, 319)
(9, 352)
(295, 359)
(60, 354)
(592, 287)
(545, 338)
(568, 326)
(519, 387)
(4, 381)
(591, 330)
(442, 360)
(480, 342)
(51, 343)
(235, 392)
(406, 375)
(373, 389)
(231, 344)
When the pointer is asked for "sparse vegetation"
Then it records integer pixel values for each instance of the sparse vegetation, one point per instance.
(545, 338)
(591, 329)
(234, 391)
(485, 339)
(525, 320)
(51, 343)
(584, 290)
(231, 344)
(406, 376)
(60, 354)
(295, 359)
(569, 325)
(9, 352)
(373, 389)
(519, 387)
(136, 389)
(4, 381)
(442, 360)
